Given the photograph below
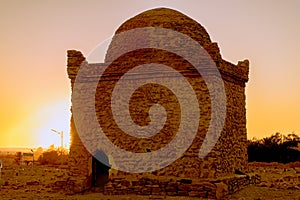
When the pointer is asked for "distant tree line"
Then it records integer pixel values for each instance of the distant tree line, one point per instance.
(276, 148)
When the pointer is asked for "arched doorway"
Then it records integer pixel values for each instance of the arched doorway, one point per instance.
(100, 169)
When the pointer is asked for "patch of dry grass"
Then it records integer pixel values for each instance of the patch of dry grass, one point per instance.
(27, 182)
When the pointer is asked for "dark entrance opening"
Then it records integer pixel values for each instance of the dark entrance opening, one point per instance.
(100, 169)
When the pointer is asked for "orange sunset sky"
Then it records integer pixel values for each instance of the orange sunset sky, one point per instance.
(35, 35)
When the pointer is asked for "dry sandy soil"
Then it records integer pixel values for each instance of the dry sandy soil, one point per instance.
(278, 181)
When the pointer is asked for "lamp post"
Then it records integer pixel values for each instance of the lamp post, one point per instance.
(32, 157)
(61, 133)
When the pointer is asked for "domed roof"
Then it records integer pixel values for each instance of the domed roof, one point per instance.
(170, 19)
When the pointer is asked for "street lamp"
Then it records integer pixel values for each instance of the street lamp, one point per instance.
(32, 156)
(61, 133)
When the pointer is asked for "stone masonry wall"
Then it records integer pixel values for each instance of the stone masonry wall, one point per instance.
(229, 153)
(216, 189)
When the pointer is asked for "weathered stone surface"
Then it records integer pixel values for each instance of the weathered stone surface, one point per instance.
(222, 190)
(229, 153)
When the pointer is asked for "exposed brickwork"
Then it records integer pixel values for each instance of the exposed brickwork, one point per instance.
(181, 187)
(229, 153)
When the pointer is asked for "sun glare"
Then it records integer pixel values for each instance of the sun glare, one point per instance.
(55, 116)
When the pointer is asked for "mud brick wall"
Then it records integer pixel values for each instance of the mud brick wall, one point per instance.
(229, 153)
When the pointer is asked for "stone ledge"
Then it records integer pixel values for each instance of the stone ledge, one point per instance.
(214, 189)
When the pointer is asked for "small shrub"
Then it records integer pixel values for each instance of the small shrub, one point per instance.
(53, 157)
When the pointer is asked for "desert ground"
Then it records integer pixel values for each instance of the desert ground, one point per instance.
(278, 181)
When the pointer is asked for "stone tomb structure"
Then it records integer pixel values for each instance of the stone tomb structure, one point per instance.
(229, 153)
